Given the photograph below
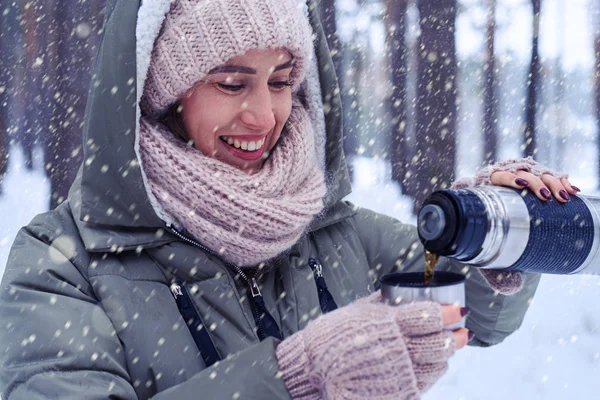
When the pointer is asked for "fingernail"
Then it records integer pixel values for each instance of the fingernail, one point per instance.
(521, 182)
(576, 188)
(471, 335)
(545, 193)
(464, 311)
(564, 195)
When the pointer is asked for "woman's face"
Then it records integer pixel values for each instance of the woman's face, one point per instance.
(236, 114)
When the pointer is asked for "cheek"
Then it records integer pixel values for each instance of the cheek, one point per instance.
(201, 116)
(287, 108)
(282, 114)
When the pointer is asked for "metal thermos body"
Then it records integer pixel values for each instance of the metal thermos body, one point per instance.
(503, 228)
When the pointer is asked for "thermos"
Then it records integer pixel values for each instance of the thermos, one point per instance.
(503, 228)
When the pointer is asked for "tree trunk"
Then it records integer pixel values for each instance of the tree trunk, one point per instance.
(555, 157)
(396, 104)
(530, 146)
(347, 60)
(34, 112)
(8, 38)
(597, 76)
(433, 165)
(490, 111)
(77, 33)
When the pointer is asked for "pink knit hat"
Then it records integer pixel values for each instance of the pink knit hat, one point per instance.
(199, 35)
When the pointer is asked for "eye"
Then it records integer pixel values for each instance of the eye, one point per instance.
(280, 85)
(230, 88)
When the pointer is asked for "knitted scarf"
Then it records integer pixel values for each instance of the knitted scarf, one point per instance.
(245, 218)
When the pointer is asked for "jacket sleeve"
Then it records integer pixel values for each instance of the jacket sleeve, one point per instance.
(392, 246)
(56, 340)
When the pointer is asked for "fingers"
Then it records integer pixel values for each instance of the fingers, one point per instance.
(428, 374)
(536, 185)
(508, 179)
(420, 318)
(544, 188)
(556, 187)
(461, 337)
(434, 348)
(568, 187)
(452, 314)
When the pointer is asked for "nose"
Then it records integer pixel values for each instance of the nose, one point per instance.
(259, 111)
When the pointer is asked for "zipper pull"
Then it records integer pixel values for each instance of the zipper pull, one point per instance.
(316, 267)
(176, 290)
(325, 298)
(254, 289)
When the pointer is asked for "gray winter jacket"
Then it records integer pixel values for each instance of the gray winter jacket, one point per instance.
(85, 304)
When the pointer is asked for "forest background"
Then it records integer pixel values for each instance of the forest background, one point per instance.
(432, 90)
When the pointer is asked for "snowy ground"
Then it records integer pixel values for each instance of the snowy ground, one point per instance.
(26, 193)
(554, 356)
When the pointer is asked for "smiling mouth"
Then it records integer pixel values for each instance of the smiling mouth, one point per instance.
(245, 145)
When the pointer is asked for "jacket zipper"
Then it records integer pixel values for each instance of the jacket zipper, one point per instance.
(326, 300)
(257, 303)
(197, 327)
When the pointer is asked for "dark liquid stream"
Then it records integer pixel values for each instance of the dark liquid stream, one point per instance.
(431, 260)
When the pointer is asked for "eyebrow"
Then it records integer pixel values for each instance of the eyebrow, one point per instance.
(248, 70)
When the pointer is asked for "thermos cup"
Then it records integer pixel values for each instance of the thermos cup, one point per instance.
(444, 288)
(503, 228)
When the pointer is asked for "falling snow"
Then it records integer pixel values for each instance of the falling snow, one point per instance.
(556, 352)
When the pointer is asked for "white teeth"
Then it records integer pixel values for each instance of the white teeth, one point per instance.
(244, 145)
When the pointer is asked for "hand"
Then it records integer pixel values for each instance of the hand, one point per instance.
(519, 174)
(452, 315)
(404, 348)
(543, 187)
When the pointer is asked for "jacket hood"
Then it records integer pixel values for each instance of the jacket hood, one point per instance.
(109, 199)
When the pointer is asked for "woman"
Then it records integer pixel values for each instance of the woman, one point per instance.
(206, 231)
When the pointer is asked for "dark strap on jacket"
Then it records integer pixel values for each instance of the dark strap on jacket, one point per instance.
(326, 300)
(197, 328)
(265, 323)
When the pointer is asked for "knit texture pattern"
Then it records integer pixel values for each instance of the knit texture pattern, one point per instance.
(245, 218)
(504, 282)
(199, 35)
(484, 176)
(367, 351)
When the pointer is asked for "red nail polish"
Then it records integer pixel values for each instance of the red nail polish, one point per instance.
(464, 311)
(576, 188)
(564, 195)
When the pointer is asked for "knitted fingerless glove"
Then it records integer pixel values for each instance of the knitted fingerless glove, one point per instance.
(483, 177)
(366, 350)
(504, 282)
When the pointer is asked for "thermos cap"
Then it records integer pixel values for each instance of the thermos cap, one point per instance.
(432, 222)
